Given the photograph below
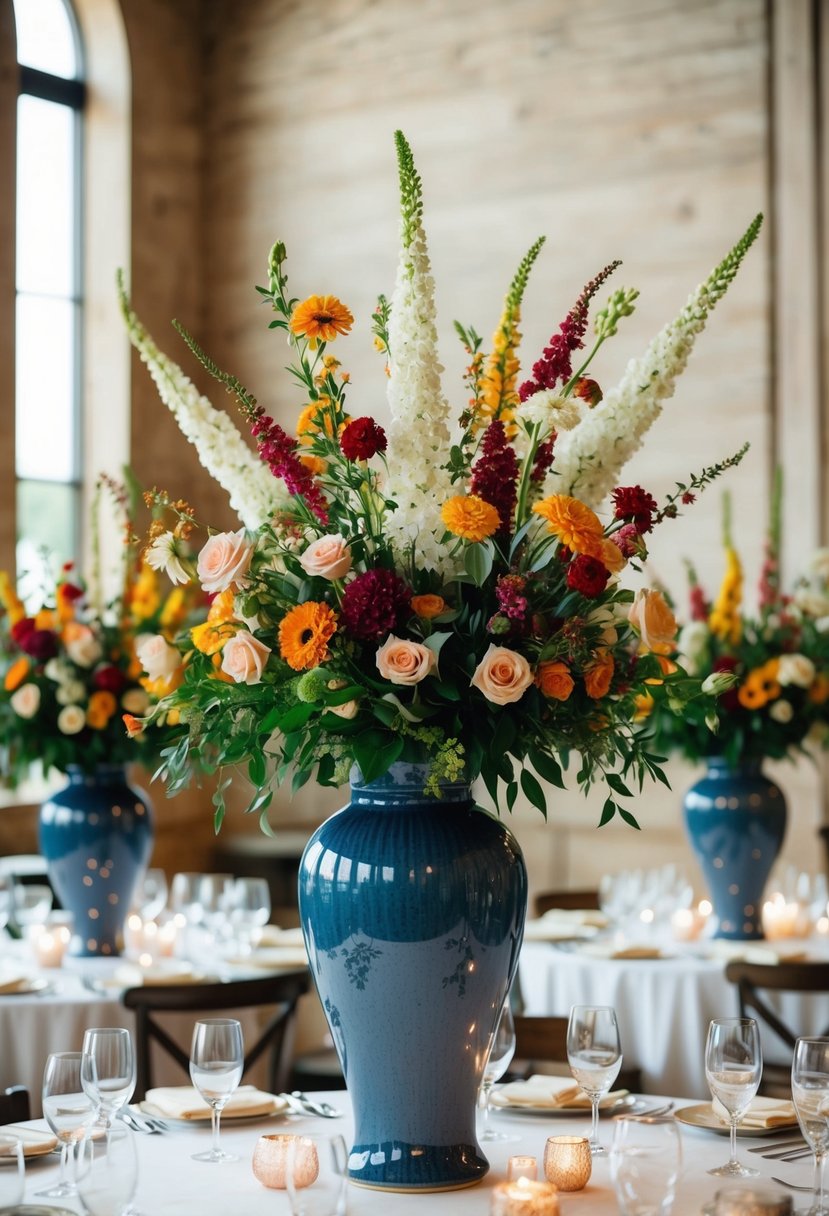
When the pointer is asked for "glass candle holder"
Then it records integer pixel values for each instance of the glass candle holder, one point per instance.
(270, 1160)
(524, 1197)
(754, 1201)
(568, 1162)
(522, 1167)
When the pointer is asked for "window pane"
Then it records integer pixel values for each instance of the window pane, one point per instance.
(45, 37)
(45, 382)
(45, 197)
(47, 515)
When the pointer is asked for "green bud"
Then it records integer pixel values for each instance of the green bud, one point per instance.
(311, 687)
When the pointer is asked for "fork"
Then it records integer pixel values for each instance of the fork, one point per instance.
(793, 1186)
(308, 1106)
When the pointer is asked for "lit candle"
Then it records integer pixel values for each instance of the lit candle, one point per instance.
(270, 1160)
(522, 1167)
(686, 924)
(50, 945)
(781, 917)
(568, 1162)
(524, 1197)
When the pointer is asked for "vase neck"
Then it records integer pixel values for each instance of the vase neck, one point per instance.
(718, 766)
(101, 773)
(405, 783)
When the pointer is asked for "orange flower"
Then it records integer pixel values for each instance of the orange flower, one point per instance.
(427, 607)
(320, 319)
(554, 679)
(134, 726)
(819, 692)
(304, 634)
(210, 637)
(644, 706)
(102, 705)
(471, 517)
(575, 525)
(221, 610)
(651, 615)
(598, 675)
(611, 556)
(16, 674)
(10, 600)
(760, 686)
(314, 464)
(45, 619)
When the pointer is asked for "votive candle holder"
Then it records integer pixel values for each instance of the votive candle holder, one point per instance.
(568, 1162)
(524, 1197)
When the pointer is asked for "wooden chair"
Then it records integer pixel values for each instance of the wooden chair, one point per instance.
(543, 1041)
(14, 1105)
(282, 990)
(753, 980)
(546, 900)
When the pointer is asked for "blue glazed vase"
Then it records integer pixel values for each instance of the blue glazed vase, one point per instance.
(736, 821)
(96, 835)
(413, 912)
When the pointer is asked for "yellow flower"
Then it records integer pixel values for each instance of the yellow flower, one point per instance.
(470, 517)
(724, 619)
(102, 705)
(10, 600)
(221, 609)
(320, 319)
(760, 686)
(210, 637)
(574, 523)
(304, 634)
(145, 597)
(174, 610)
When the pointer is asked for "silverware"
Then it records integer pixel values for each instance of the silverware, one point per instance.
(302, 1104)
(652, 1112)
(143, 1123)
(793, 1187)
(780, 1146)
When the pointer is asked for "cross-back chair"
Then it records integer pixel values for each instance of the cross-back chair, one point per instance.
(281, 990)
(569, 900)
(542, 1041)
(14, 1105)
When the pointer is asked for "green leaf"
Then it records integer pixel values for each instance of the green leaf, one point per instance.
(295, 718)
(477, 560)
(628, 818)
(532, 789)
(618, 786)
(489, 774)
(512, 794)
(546, 767)
(608, 811)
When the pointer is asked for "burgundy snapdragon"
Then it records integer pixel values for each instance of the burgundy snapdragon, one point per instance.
(374, 604)
(278, 450)
(495, 474)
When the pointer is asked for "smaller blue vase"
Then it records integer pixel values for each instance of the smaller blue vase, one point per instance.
(735, 817)
(96, 835)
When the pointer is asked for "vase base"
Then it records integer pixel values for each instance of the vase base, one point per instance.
(416, 1169)
(416, 1190)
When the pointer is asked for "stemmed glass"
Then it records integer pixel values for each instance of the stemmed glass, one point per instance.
(733, 1068)
(216, 1061)
(150, 896)
(810, 1094)
(501, 1051)
(594, 1054)
(31, 904)
(68, 1110)
(250, 907)
(108, 1070)
(107, 1172)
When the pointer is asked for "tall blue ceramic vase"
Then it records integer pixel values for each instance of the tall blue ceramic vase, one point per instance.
(736, 820)
(96, 835)
(413, 912)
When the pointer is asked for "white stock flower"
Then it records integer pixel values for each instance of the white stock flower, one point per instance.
(552, 411)
(781, 711)
(71, 719)
(162, 554)
(795, 669)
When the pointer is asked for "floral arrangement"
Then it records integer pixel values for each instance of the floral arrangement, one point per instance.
(442, 586)
(71, 667)
(778, 658)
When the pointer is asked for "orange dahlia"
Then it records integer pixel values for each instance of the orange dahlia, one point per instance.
(575, 525)
(471, 517)
(304, 634)
(320, 319)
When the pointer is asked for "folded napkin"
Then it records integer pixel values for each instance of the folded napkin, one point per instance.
(185, 1102)
(272, 958)
(551, 929)
(272, 935)
(551, 1093)
(762, 952)
(9, 984)
(763, 1112)
(632, 951)
(35, 1141)
(135, 977)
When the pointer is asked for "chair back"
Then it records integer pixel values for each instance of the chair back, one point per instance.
(545, 900)
(281, 990)
(14, 1105)
(755, 979)
(542, 1040)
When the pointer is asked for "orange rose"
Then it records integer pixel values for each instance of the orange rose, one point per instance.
(554, 679)
(651, 616)
(502, 675)
(427, 607)
(599, 674)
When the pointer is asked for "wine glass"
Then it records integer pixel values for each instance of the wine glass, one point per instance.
(68, 1110)
(501, 1051)
(250, 908)
(645, 1164)
(107, 1171)
(108, 1070)
(733, 1068)
(12, 1173)
(31, 904)
(594, 1054)
(150, 897)
(216, 1061)
(215, 896)
(810, 1094)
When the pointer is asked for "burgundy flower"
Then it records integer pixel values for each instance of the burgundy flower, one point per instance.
(688, 498)
(729, 699)
(278, 450)
(70, 592)
(636, 505)
(629, 540)
(41, 644)
(543, 458)
(109, 679)
(587, 575)
(495, 474)
(362, 439)
(509, 592)
(22, 629)
(374, 603)
(699, 606)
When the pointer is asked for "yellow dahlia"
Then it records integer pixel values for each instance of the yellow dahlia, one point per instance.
(575, 525)
(471, 517)
(304, 634)
(320, 319)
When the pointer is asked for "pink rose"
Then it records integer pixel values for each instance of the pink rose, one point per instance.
(155, 654)
(244, 658)
(405, 662)
(224, 560)
(502, 675)
(25, 701)
(327, 557)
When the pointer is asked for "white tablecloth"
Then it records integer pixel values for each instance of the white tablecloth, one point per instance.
(171, 1184)
(663, 1006)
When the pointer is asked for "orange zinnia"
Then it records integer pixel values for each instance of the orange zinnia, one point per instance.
(760, 686)
(471, 517)
(320, 319)
(575, 525)
(304, 634)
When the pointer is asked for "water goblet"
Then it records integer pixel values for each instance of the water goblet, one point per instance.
(12, 1173)
(810, 1094)
(594, 1054)
(316, 1175)
(216, 1061)
(645, 1164)
(68, 1110)
(733, 1068)
(501, 1051)
(250, 908)
(150, 897)
(108, 1070)
(107, 1172)
(31, 904)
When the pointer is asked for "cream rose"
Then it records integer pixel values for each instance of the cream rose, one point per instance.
(812, 602)
(651, 616)
(796, 669)
(69, 692)
(405, 662)
(244, 658)
(502, 675)
(327, 557)
(781, 711)
(71, 719)
(85, 649)
(348, 710)
(155, 654)
(224, 560)
(135, 701)
(26, 700)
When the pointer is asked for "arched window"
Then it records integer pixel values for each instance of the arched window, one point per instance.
(49, 289)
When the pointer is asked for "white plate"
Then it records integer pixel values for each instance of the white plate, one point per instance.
(703, 1116)
(559, 1112)
(280, 1109)
(28, 987)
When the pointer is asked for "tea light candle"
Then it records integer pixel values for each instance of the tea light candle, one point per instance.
(522, 1167)
(568, 1162)
(758, 1201)
(270, 1160)
(686, 924)
(780, 917)
(50, 945)
(524, 1197)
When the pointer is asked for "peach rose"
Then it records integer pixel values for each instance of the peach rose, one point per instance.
(349, 710)
(244, 658)
(598, 675)
(83, 647)
(502, 675)
(405, 662)
(651, 616)
(554, 679)
(157, 657)
(71, 719)
(224, 560)
(135, 701)
(327, 557)
(26, 700)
